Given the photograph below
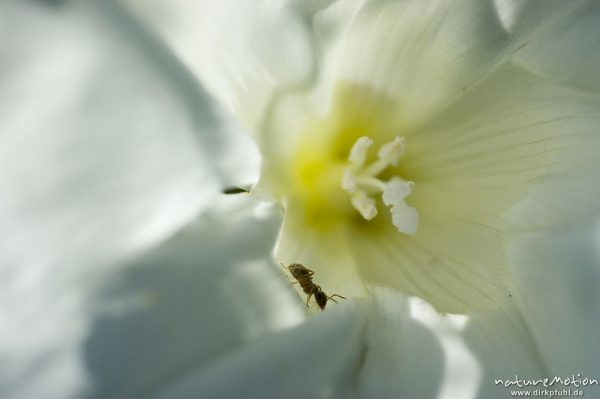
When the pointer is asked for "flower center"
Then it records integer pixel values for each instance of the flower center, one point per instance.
(361, 180)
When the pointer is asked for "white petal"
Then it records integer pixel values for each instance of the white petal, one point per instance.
(515, 135)
(207, 291)
(316, 359)
(414, 351)
(421, 53)
(535, 17)
(119, 150)
(245, 52)
(453, 267)
(106, 147)
(358, 152)
(404, 358)
(422, 353)
(559, 40)
(558, 275)
(552, 326)
(476, 168)
(504, 347)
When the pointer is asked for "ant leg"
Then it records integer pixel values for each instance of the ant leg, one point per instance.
(308, 299)
(339, 296)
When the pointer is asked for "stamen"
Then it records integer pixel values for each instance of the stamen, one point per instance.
(362, 182)
(376, 167)
(393, 150)
(364, 204)
(358, 152)
(370, 182)
(388, 154)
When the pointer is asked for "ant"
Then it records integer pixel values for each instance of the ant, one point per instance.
(304, 277)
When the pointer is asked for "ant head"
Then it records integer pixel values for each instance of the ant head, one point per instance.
(321, 299)
(298, 270)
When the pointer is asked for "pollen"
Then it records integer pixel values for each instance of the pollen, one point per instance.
(361, 180)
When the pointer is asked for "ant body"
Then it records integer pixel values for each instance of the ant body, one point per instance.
(304, 277)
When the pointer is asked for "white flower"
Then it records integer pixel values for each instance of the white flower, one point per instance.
(469, 142)
(489, 140)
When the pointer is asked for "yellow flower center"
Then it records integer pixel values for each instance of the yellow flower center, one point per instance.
(339, 175)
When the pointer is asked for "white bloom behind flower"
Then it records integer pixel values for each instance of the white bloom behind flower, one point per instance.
(99, 159)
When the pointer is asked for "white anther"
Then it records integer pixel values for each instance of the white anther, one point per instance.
(392, 151)
(405, 218)
(358, 153)
(364, 204)
(396, 189)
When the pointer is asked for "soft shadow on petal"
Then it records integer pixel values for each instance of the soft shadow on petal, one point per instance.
(227, 149)
(568, 51)
(446, 356)
(524, 19)
(503, 345)
(551, 328)
(245, 52)
(558, 275)
(104, 150)
(199, 297)
(317, 359)
(114, 154)
(403, 357)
